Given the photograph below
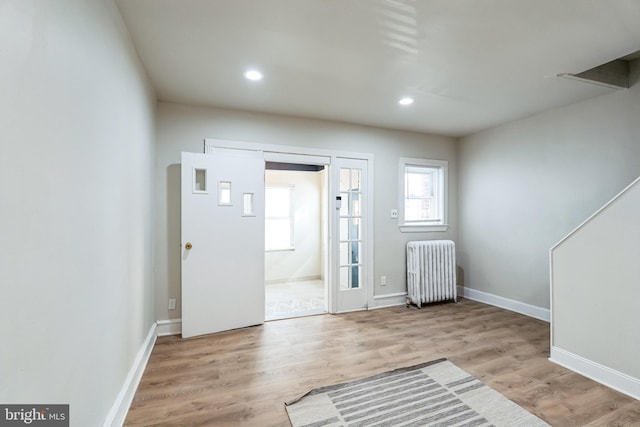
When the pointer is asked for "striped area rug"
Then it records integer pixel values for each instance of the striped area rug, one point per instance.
(436, 393)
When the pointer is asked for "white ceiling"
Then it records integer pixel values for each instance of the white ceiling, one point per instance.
(469, 65)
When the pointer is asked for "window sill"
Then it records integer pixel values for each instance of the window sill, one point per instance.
(405, 228)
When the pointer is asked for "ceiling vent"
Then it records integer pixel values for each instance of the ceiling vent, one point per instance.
(614, 74)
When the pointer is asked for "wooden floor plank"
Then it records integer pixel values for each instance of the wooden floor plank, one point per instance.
(243, 377)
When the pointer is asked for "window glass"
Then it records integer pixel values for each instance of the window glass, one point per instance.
(224, 193)
(247, 204)
(423, 198)
(199, 180)
(421, 193)
(279, 223)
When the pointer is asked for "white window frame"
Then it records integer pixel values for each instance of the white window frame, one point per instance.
(291, 217)
(442, 224)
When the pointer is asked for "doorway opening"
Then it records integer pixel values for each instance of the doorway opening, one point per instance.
(296, 236)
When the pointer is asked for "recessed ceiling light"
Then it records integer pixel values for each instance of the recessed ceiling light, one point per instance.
(406, 101)
(253, 75)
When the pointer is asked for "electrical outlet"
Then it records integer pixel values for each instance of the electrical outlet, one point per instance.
(383, 280)
(172, 303)
(394, 213)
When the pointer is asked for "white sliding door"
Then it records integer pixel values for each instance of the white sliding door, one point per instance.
(222, 240)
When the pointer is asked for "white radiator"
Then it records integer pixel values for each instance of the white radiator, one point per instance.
(431, 271)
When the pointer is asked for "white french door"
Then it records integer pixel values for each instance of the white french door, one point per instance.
(350, 234)
(222, 240)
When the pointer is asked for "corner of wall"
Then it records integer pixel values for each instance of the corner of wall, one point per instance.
(120, 407)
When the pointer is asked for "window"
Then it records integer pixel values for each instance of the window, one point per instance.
(247, 205)
(199, 181)
(224, 193)
(278, 209)
(423, 189)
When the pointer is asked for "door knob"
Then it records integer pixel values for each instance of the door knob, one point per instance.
(188, 246)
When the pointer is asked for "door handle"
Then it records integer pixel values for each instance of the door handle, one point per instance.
(188, 246)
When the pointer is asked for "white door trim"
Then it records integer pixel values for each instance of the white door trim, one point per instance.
(289, 150)
(303, 159)
(211, 143)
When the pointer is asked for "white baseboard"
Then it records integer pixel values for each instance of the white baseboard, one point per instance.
(174, 326)
(604, 375)
(508, 304)
(169, 327)
(292, 280)
(389, 300)
(120, 408)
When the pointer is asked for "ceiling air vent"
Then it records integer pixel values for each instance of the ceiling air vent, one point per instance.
(614, 74)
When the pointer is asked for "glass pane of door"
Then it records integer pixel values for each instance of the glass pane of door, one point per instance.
(350, 235)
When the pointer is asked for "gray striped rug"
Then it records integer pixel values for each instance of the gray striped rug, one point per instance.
(436, 393)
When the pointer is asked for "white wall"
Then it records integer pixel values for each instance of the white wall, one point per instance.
(76, 152)
(304, 261)
(596, 289)
(183, 128)
(525, 185)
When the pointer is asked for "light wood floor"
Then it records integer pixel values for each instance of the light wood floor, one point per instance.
(242, 377)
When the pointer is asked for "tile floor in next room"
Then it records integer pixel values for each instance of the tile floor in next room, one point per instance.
(294, 299)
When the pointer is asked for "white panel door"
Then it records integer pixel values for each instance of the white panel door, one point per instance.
(349, 243)
(222, 241)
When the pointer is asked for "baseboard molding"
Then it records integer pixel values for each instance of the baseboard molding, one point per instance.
(604, 375)
(120, 408)
(292, 279)
(169, 327)
(174, 326)
(508, 304)
(389, 300)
